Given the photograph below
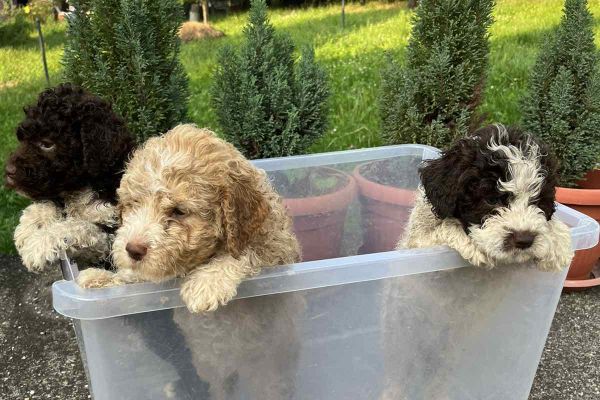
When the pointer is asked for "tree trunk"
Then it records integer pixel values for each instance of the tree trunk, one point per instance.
(413, 3)
(204, 11)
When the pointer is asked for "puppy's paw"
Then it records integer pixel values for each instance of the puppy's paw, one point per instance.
(39, 215)
(40, 252)
(96, 278)
(558, 254)
(203, 292)
(555, 261)
(548, 265)
(79, 234)
(35, 236)
(479, 259)
(36, 262)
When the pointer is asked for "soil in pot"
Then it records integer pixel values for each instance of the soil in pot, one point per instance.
(387, 193)
(318, 200)
(585, 199)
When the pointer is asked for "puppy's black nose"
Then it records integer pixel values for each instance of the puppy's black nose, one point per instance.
(136, 250)
(521, 239)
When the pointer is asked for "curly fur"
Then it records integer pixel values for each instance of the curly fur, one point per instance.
(71, 155)
(89, 145)
(486, 192)
(198, 209)
(483, 189)
(79, 229)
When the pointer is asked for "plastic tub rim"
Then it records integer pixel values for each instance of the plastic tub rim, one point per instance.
(85, 304)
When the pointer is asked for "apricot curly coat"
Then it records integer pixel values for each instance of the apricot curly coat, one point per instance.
(193, 206)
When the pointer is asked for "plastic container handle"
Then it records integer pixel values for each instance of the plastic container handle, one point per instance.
(69, 269)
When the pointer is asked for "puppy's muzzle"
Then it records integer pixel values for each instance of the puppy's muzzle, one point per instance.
(520, 240)
(136, 250)
(10, 172)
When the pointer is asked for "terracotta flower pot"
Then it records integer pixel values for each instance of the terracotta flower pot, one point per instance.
(319, 220)
(591, 180)
(385, 211)
(585, 199)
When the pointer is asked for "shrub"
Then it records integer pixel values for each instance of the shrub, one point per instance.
(267, 104)
(433, 97)
(39, 9)
(15, 27)
(563, 103)
(127, 51)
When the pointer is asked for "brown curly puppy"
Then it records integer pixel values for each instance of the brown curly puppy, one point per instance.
(69, 140)
(71, 155)
(193, 206)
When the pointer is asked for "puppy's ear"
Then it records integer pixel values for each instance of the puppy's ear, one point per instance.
(442, 178)
(244, 205)
(106, 143)
(547, 196)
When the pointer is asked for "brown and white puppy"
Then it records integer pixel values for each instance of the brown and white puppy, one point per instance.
(71, 155)
(193, 206)
(491, 198)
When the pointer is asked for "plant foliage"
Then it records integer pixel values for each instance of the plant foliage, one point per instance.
(267, 103)
(563, 103)
(432, 98)
(127, 51)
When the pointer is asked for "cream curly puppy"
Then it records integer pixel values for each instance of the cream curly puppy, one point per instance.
(193, 206)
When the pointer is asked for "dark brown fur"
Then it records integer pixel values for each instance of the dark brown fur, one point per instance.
(463, 182)
(91, 144)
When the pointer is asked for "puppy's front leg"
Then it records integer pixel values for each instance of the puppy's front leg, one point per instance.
(99, 278)
(35, 237)
(214, 284)
(83, 236)
(450, 233)
(560, 253)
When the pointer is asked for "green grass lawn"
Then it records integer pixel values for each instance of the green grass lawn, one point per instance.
(353, 57)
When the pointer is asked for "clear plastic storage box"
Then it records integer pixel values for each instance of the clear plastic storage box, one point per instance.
(366, 322)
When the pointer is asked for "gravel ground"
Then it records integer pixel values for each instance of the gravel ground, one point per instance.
(570, 366)
(39, 358)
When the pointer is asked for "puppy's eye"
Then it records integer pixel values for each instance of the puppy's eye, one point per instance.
(177, 213)
(46, 145)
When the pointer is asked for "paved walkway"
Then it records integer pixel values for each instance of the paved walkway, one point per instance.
(39, 358)
(570, 367)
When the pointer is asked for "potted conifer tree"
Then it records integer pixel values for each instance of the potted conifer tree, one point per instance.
(431, 100)
(563, 108)
(270, 105)
(127, 51)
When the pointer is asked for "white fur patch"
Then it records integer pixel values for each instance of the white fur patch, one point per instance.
(524, 168)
